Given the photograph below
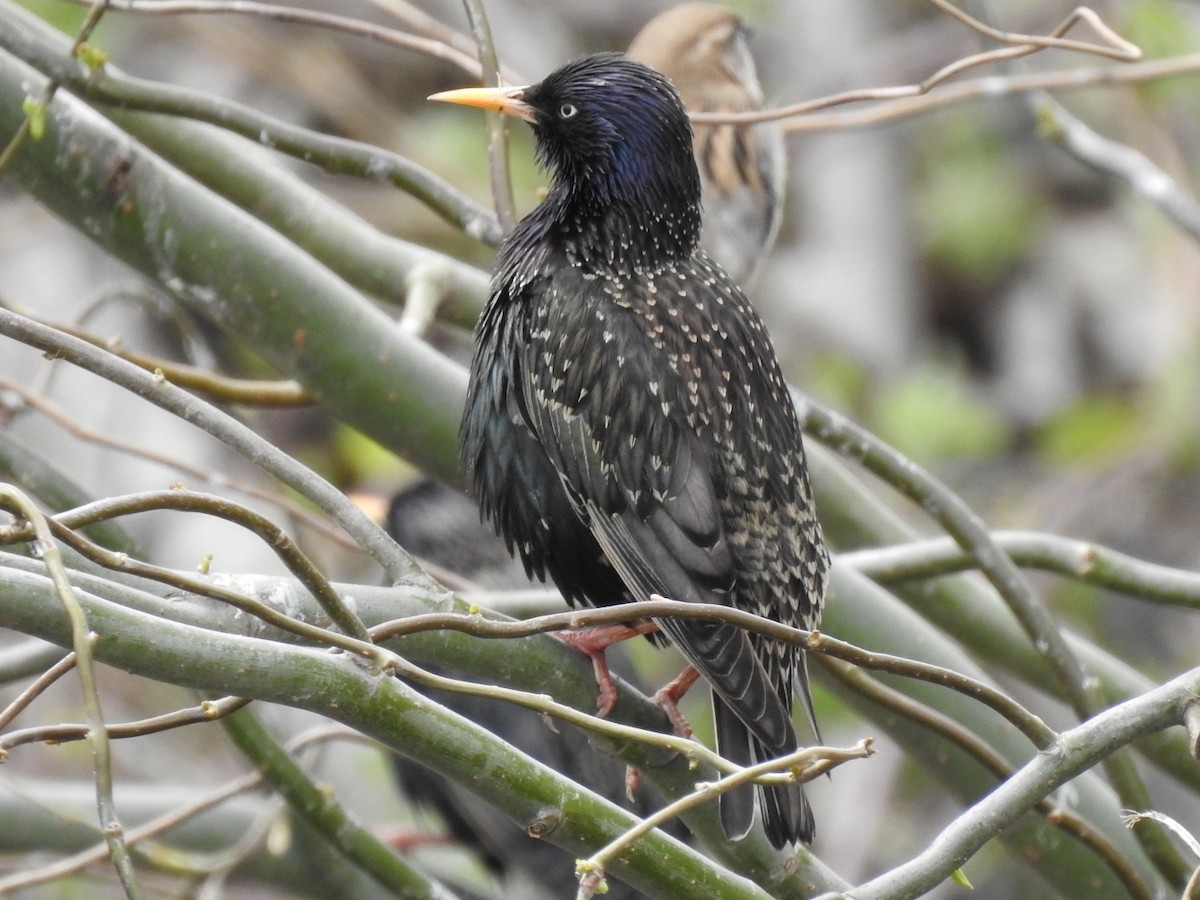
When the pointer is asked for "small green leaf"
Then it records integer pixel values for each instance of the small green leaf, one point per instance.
(959, 877)
(35, 112)
(91, 56)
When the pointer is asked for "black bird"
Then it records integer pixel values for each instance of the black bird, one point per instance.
(627, 427)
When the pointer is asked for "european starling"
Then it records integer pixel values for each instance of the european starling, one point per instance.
(627, 427)
(703, 49)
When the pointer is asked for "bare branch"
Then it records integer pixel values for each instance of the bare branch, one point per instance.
(657, 607)
(271, 534)
(1113, 46)
(1074, 751)
(221, 426)
(216, 387)
(64, 419)
(204, 587)
(35, 690)
(293, 15)
(996, 87)
(163, 823)
(62, 733)
(1118, 161)
(972, 535)
(82, 637)
(110, 86)
(497, 123)
(805, 764)
(940, 724)
(1081, 560)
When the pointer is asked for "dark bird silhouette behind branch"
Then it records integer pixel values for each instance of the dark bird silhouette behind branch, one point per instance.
(627, 427)
(441, 526)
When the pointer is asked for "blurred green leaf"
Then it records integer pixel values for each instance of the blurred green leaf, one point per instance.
(1159, 27)
(65, 17)
(975, 204)
(1097, 427)
(362, 459)
(932, 415)
(837, 380)
(1162, 30)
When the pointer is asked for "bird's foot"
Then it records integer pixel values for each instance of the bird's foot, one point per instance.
(633, 781)
(668, 697)
(592, 643)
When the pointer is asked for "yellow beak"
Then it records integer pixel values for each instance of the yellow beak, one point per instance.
(510, 101)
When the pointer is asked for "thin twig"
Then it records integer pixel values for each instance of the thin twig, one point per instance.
(271, 534)
(1083, 691)
(1074, 752)
(1115, 47)
(1081, 560)
(497, 123)
(36, 689)
(201, 585)
(970, 533)
(547, 705)
(1039, 734)
(66, 732)
(1119, 161)
(109, 85)
(81, 642)
(383, 659)
(373, 539)
(990, 759)
(435, 29)
(313, 18)
(66, 420)
(258, 393)
(804, 764)
(161, 824)
(996, 87)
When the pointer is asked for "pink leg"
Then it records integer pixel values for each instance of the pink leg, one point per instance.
(667, 698)
(671, 693)
(404, 840)
(592, 643)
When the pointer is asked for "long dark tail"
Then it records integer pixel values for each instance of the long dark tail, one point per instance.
(786, 815)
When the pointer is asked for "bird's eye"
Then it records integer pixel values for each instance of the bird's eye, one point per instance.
(567, 110)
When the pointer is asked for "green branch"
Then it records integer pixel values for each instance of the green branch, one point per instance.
(338, 687)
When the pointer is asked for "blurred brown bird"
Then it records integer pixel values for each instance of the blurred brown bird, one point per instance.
(703, 49)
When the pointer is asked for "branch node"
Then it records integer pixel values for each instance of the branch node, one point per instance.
(544, 823)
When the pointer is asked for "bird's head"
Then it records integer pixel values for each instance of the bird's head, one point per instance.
(613, 131)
